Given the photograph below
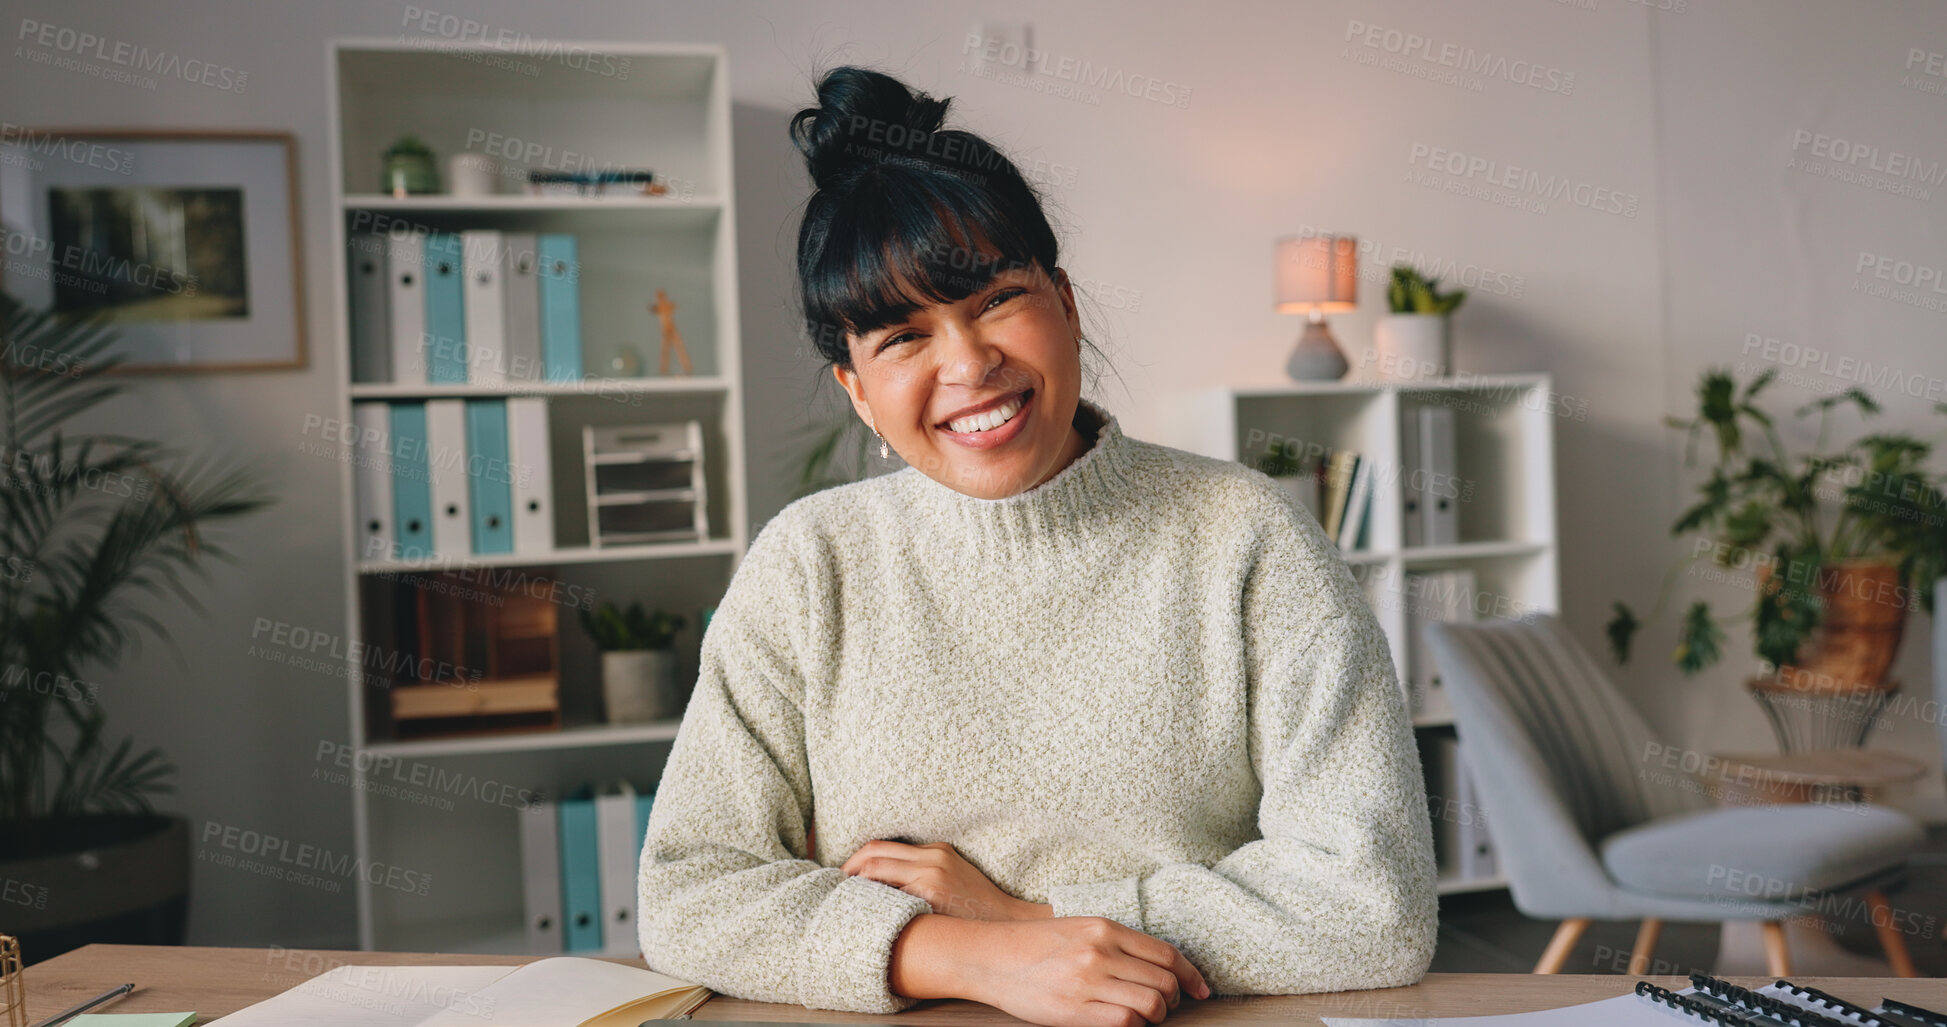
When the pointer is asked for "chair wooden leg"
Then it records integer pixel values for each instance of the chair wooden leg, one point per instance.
(1777, 958)
(1561, 945)
(1889, 936)
(1646, 935)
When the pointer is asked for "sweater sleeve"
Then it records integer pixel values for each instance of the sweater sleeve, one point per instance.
(1338, 893)
(729, 896)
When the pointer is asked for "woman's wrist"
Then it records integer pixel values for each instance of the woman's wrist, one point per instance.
(928, 955)
(1025, 910)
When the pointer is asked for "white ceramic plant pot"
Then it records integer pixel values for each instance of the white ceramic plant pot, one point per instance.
(639, 685)
(1412, 346)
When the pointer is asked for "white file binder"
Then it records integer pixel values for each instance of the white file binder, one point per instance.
(532, 470)
(372, 479)
(405, 257)
(446, 460)
(483, 261)
(541, 877)
(620, 851)
(1441, 510)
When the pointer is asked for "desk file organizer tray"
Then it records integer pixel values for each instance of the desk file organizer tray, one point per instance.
(645, 483)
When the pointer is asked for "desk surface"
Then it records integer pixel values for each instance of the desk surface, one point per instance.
(217, 981)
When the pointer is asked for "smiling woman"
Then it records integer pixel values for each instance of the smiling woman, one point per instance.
(931, 283)
(1054, 719)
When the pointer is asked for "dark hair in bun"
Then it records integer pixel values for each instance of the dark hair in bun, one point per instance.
(902, 203)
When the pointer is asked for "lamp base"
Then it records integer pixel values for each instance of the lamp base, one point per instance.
(1317, 357)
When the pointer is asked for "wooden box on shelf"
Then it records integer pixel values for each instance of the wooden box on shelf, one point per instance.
(505, 656)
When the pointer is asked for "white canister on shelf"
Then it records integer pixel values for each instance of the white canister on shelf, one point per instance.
(1413, 346)
(472, 174)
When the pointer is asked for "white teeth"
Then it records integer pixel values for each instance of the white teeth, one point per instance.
(987, 420)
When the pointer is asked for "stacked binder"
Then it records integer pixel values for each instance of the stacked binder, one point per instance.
(479, 307)
(1446, 595)
(453, 477)
(579, 862)
(1461, 846)
(1429, 484)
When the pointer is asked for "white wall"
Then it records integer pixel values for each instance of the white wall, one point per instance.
(1293, 120)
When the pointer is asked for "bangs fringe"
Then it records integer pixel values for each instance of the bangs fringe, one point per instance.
(905, 242)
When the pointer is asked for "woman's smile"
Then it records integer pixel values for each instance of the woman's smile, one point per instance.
(999, 435)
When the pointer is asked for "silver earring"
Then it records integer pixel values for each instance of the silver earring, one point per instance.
(883, 452)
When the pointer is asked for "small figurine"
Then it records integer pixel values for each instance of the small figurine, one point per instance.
(672, 339)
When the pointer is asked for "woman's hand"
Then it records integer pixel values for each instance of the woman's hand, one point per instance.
(1079, 971)
(937, 873)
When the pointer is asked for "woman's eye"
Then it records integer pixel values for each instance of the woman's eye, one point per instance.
(901, 337)
(1004, 295)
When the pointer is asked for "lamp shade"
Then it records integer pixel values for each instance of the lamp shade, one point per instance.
(1317, 272)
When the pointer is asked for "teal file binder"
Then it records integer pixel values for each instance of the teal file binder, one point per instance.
(581, 875)
(560, 278)
(412, 487)
(489, 479)
(642, 806)
(445, 308)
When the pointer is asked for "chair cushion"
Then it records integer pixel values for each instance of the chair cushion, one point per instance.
(1759, 853)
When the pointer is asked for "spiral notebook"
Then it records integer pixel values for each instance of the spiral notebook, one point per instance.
(1709, 1000)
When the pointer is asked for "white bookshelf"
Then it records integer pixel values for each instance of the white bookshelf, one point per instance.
(1504, 445)
(669, 113)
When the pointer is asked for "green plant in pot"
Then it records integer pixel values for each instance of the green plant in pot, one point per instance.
(409, 168)
(638, 661)
(1840, 542)
(1415, 340)
(88, 522)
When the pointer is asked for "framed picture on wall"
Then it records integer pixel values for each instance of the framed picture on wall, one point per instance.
(187, 242)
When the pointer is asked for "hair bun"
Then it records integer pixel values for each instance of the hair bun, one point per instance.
(863, 117)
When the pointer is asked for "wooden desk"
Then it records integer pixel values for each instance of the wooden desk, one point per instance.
(215, 981)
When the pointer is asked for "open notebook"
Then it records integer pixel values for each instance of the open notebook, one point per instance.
(562, 991)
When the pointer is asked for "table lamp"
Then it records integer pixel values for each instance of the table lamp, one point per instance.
(1317, 275)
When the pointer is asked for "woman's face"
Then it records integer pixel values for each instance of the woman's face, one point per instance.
(1017, 340)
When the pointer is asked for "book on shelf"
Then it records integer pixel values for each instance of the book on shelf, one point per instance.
(561, 991)
(1358, 505)
(1338, 486)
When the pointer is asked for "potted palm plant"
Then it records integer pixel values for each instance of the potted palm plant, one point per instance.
(87, 521)
(1415, 340)
(638, 661)
(1832, 587)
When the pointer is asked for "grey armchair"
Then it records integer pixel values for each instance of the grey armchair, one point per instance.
(1592, 819)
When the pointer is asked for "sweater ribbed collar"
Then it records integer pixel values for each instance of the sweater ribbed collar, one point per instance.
(1089, 490)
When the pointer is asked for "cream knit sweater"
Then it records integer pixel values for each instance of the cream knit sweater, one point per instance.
(1147, 689)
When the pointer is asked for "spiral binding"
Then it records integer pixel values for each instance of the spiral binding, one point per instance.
(1914, 1013)
(1768, 1005)
(1706, 1009)
(1830, 1001)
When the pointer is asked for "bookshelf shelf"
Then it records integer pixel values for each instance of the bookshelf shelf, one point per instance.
(1459, 886)
(566, 554)
(581, 387)
(497, 204)
(590, 106)
(576, 737)
(1504, 448)
(1465, 550)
